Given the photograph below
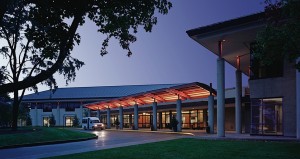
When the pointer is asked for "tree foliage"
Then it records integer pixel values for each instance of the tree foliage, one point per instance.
(76, 121)
(38, 36)
(52, 120)
(281, 35)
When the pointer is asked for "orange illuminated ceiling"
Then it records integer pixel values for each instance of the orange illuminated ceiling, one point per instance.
(185, 91)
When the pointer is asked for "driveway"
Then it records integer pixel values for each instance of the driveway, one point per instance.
(106, 139)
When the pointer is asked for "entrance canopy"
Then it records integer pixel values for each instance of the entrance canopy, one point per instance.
(189, 91)
(236, 34)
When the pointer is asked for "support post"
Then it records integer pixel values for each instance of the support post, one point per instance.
(58, 115)
(121, 117)
(136, 117)
(298, 99)
(154, 116)
(238, 102)
(36, 115)
(220, 94)
(98, 113)
(178, 115)
(108, 126)
(211, 111)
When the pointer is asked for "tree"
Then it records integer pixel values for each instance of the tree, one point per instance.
(52, 121)
(28, 121)
(279, 40)
(76, 121)
(40, 36)
(174, 123)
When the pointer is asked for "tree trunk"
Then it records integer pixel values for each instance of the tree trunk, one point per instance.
(15, 111)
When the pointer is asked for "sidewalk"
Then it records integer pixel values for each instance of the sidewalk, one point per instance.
(229, 135)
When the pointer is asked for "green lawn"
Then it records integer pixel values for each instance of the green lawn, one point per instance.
(29, 135)
(196, 148)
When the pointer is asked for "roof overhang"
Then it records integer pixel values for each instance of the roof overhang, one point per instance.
(189, 91)
(237, 35)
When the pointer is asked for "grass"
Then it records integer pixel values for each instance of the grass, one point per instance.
(31, 135)
(195, 148)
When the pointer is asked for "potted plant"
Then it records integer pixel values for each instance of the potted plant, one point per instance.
(117, 123)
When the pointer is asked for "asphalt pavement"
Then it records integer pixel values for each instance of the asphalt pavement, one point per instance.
(106, 139)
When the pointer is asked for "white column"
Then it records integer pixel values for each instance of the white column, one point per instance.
(98, 113)
(136, 117)
(238, 102)
(58, 115)
(220, 97)
(121, 117)
(154, 116)
(108, 126)
(298, 100)
(89, 112)
(36, 115)
(81, 113)
(211, 113)
(178, 115)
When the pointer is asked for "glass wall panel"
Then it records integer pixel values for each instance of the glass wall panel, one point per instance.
(266, 116)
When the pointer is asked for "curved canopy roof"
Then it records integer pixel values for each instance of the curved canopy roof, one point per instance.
(170, 94)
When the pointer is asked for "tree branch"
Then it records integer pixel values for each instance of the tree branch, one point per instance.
(66, 44)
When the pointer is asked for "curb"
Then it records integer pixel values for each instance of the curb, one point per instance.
(47, 143)
(161, 132)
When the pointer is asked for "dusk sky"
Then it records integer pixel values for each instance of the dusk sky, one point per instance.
(164, 56)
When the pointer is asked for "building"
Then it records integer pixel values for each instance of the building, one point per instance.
(272, 89)
(268, 107)
(108, 102)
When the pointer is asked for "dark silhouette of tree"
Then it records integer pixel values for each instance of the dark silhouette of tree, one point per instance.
(76, 121)
(52, 121)
(279, 40)
(40, 36)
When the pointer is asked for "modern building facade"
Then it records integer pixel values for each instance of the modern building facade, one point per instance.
(272, 88)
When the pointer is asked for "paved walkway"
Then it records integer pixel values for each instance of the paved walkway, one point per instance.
(119, 138)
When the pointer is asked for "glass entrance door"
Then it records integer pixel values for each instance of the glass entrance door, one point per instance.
(267, 116)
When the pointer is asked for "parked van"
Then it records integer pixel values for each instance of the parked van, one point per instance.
(92, 123)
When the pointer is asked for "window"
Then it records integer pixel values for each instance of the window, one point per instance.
(47, 107)
(46, 121)
(69, 120)
(266, 116)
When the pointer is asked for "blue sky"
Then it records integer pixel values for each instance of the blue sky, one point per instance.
(166, 55)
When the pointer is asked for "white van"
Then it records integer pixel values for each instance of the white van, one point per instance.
(92, 123)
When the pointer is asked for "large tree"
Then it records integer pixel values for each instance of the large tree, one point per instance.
(279, 40)
(37, 37)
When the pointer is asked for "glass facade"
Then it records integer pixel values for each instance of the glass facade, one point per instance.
(266, 116)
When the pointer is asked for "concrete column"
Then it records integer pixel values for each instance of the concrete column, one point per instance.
(98, 113)
(108, 126)
(81, 113)
(178, 115)
(121, 117)
(238, 102)
(154, 116)
(298, 100)
(136, 117)
(58, 115)
(89, 112)
(220, 97)
(211, 113)
(160, 120)
(36, 115)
